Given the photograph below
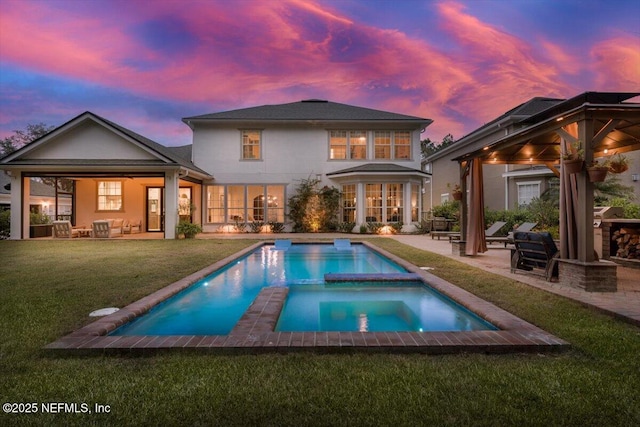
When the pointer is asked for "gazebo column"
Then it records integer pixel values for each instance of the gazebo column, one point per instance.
(459, 247)
(586, 272)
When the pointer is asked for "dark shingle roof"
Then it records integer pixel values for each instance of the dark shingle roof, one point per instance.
(378, 168)
(312, 109)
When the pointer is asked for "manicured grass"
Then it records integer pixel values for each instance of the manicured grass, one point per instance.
(47, 288)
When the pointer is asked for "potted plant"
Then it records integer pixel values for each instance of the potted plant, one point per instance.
(573, 157)
(456, 192)
(618, 163)
(598, 171)
(188, 229)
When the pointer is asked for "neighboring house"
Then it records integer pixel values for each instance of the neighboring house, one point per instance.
(507, 186)
(242, 167)
(42, 198)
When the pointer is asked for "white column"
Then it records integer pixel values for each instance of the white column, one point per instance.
(360, 204)
(19, 206)
(170, 204)
(407, 203)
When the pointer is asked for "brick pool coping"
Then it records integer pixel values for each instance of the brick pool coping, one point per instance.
(254, 332)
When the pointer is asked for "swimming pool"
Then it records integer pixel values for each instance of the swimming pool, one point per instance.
(213, 305)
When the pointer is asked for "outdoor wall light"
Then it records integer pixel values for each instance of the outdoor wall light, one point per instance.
(635, 177)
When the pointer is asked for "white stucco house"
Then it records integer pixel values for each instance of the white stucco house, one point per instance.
(242, 167)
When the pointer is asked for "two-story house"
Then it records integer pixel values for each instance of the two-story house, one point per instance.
(242, 167)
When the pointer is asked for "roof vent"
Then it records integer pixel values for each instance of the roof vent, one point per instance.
(314, 100)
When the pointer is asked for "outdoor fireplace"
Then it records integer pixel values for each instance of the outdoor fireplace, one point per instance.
(621, 241)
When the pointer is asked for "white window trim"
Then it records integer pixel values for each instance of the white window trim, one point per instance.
(523, 183)
(261, 143)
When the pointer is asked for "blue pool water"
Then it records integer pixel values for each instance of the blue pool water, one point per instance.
(214, 305)
(374, 307)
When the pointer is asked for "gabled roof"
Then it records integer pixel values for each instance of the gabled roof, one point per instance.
(308, 110)
(179, 156)
(379, 168)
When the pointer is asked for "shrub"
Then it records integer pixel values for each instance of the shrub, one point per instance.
(422, 227)
(448, 209)
(276, 227)
(5, 224)
(363, 229)
(396, 227)
(313, 209)
(256, 226)
(239, 227)
(39, 218)
(629, 209)
(374, 227)
(346, 227)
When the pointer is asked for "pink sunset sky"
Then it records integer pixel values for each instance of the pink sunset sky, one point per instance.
(147, 64)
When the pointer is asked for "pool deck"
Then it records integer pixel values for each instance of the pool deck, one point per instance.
(254, 333)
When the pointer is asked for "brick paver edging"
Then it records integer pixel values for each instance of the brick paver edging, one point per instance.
(254, 332)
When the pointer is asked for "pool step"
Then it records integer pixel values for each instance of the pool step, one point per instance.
(371, 277)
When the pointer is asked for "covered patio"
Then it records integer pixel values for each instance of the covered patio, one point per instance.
(587, 127)
(109, 173)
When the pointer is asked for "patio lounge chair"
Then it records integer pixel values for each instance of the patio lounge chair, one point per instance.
(342, 244)
(489, 233)
(525, 226)
(440, 227)
(130, 227)
(64, 230)
(535, 251)
(105, 228)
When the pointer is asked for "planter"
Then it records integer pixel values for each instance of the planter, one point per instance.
(573, 166)
(597, 173)
(618, 167)
(40, 230)
(457, 195)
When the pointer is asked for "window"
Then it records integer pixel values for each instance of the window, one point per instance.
(382, 145)
(347, 145)
(394, 202)
(110, 196)
(349, 203)
(245, 203)
(373, 193)
(527, 191)
(402, 145)
(215, 203)
(358, 145)
(415, 202)
(250, 145)
(392, 145)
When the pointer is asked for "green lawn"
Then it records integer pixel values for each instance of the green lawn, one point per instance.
(47, 288)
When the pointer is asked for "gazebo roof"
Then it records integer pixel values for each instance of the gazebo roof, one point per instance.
(616, 128)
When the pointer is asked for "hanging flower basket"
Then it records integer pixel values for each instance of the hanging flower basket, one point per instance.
(457, 195)
(618, 164)
(573, 166)
(597, 173)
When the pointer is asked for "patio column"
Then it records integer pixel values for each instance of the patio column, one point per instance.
(19, 206)
(170, 204)
(585, 196)
(406, 217)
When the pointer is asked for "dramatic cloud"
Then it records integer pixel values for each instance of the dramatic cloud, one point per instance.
(146, 67)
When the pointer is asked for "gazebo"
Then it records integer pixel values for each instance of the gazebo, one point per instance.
(589, 126)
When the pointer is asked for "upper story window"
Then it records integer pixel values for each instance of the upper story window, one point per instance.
(110, 196)
(251, 145)
(402, 145)
(382, 145)
(347, 144)
(392, 145)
